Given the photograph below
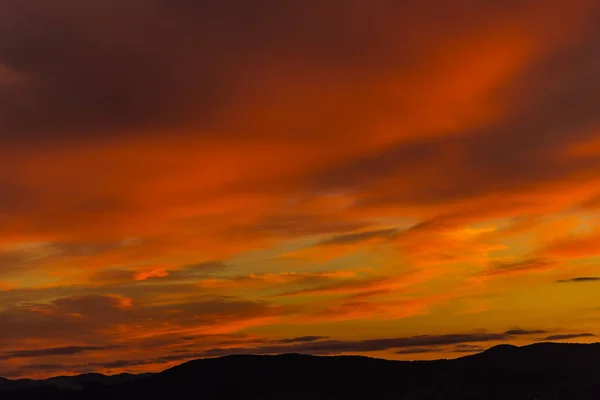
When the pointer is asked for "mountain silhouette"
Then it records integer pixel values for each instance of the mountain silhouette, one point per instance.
(544, 371)
(76, 382)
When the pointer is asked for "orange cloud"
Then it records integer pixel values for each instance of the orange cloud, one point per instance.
(575, 247)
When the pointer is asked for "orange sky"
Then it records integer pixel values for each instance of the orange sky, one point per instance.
(400, 179)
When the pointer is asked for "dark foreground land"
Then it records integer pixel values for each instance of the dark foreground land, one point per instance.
(543, 371)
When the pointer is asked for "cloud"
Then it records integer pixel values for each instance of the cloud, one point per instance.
(350, 286)
(22, 370)
(519, 267)
(318, 345)
(110, 319)
(138, 139)
(95, 88)
(459, 348)
(152, 274)
(56, 351)
(191, 272)
(580, 279)
(407, 345)
(435, 182)
(467, 348)
(525, 332)
(302, 339)
(418, 350)
(113, 276)
(569, 336)
(352, 238)
(577, 246)
(72, 319)
(298, 224)
(372, 345)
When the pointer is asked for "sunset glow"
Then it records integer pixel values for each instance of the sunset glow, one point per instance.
(400, 179)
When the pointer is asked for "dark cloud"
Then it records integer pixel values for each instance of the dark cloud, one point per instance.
(467, 348)
(77, 319)
(102, 318)
(113, 276)
(418, 350)
(506, 157)
(525, 332)
(25, 369)
(233, 339)
(452, 343)
(350, 286)
(351, 238)
(279, 225)
(122, 363)
(580, 279)
(135, 363)
(56, 351)
(481, 170)
(26, 258)
(100, 67)
(79, 249)
(569, 336)
(109, 282)
(459, 348)
(113, 71)
(106, 65)
(302, 339)
(13, 297)
(525, 266)
(191, 272)
(30, 258)
(337, 347)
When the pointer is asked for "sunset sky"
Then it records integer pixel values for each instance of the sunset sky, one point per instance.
(407, 179)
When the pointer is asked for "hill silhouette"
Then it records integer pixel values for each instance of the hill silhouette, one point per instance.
(544, 371)
(76, 382)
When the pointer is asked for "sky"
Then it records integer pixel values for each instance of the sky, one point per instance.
(195, 178)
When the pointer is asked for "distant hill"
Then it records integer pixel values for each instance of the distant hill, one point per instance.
(551, 357)
(544, 371)
(76, 382)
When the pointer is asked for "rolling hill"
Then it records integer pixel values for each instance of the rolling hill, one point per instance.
(544, 371)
